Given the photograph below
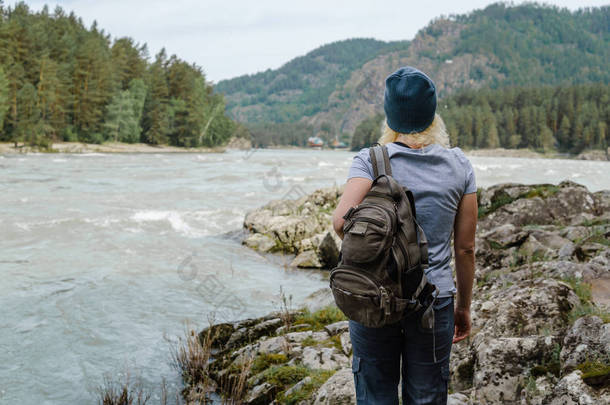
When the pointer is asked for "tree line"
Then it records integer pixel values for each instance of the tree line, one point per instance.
(566, 119)
(562, 118)
(62, 81)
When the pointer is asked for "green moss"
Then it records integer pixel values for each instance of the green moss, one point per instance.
(320, 318)
(497, 202)
(318, 377)
(496, 245)
(335, 341)
(309, 341)
(595, 373)
(264, 360)
(283, 376)
(501, 199)
(543, 191)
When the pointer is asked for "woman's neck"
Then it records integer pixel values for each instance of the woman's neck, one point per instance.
(409, 142)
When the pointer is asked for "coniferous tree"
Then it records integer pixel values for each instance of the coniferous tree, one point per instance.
(4, 100)
(565, 132)
(62, 81)
(124, 113)
(566, 118)
(156, 117)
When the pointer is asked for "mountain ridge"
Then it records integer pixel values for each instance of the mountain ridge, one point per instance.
(501, 45)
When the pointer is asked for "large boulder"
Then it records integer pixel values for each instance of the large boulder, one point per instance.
(308, 259)
(302, 227)
(338, 389)
(552, 269)
(505, 236)
(526, 308)
(319, 299)
(503, 364)
(325, 358)
(588, 340)
(537, 204)
(572, 390)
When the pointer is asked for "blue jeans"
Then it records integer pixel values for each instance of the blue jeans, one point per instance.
(378, 352)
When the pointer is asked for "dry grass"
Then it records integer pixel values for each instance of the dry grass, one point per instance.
(127, 392)
(286, 316)
(192, 356)
(235, 386)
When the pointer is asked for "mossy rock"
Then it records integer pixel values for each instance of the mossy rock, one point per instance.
(317, 379)
(220, 333)
(595, 374)
(265, 360)
(319, 319)
(285, 375)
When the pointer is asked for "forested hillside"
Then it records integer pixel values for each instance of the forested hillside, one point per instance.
(563, 118)
(499, 46)
(62, 81)
(547, 118)
(302, 86)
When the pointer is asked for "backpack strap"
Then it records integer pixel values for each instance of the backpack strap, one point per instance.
(380, 160)
(423, 246)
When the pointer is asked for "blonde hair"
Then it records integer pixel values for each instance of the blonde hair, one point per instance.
(435, 133)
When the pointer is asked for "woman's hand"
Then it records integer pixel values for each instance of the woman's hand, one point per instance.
(462, 324)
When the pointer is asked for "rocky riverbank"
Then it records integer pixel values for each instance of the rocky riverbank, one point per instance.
(118, 147)
(596, 154)
(541, 331)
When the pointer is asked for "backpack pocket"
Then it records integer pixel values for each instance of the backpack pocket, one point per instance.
(366, 234)
(360, 296)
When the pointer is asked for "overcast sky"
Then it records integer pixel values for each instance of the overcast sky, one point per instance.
(229, 38)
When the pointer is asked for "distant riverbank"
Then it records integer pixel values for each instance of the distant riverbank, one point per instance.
(111, 147)
(528, 153)
(240, 143)
(119, 147)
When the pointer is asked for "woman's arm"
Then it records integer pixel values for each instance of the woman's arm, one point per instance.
(355, 190)
(463, 244)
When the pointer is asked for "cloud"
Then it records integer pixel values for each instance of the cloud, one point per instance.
(231, 38)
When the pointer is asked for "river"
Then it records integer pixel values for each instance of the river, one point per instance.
(105, 258)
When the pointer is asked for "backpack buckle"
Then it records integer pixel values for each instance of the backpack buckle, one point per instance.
(385, 303)
(348, 213)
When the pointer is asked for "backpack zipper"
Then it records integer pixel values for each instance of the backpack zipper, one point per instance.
(382, 208)
(385, 297)
(371, 220)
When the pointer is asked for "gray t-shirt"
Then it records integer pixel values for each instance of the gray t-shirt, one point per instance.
(438, 178)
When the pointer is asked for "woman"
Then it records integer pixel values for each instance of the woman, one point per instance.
(443, 184)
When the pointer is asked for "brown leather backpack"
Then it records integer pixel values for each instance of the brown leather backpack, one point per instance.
(380, 277)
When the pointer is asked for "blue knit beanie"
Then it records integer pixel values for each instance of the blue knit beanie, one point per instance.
(409, 100)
